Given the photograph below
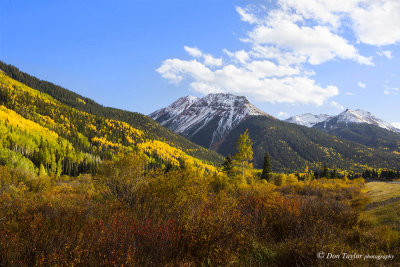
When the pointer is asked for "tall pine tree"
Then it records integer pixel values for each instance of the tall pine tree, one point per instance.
(266, 172)
(325, 172)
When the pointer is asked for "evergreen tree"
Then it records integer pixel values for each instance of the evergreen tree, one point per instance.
(244, 148)
(334, 173)
(168, 167)
(266, 172)
(325, 172)
(227, 165)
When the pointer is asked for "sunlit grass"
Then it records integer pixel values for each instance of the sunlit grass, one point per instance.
(381, 191)
(385, 212)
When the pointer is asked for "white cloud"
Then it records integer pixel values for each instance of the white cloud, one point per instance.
(283, 114)
(326, 12)
(212, 61)
(174, 69)
(193, 51)
(361, 84)
(337, 105)
(390, 90)
(282, 57)
(313, 28)
(265, 82)
(240, 56)
(373, 22)
(377, 22)
(285, 40)
(246, 15)
(267, 68)
(349, 93)
(386, 53)
(315, 44)
(208, 59)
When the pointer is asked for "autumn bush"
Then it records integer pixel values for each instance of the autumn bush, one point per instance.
(129, 214)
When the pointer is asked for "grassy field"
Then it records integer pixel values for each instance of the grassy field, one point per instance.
(384, 204)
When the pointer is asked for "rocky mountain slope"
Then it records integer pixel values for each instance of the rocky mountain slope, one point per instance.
(206, 120)
(358, 116)
(355, 125)
(343, 119)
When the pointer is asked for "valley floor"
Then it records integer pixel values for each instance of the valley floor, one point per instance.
(384, 204)
(126, 215)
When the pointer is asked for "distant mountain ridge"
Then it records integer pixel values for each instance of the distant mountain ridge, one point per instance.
(348, 116)
(217, 120)
(358, 116)
(206, 120)
(358, 126)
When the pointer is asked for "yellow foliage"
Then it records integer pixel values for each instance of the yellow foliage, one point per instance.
(171, 154)
(14, 119)
(104, 142)
(80, 100)
(63, 120)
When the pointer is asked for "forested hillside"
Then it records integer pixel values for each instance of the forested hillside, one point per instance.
(293, 147)
(150, 128)
(366, 134)
(41, 134)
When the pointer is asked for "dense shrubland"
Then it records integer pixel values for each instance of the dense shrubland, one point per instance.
(130, 214)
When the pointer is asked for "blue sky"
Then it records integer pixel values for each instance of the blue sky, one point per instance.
(288, 56)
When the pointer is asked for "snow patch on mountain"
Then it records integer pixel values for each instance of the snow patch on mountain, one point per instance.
(362, 116)
(308, 119)
(188, 115)
(396, 125)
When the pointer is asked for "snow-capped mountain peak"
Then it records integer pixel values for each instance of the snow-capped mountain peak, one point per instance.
(362, 116)
(355, 116)
(308, 119)
(181, 104)
(216, 114)
(344, 118)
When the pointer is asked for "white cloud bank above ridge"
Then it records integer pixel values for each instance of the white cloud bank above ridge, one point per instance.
(283, 114)
(336, 105)
(282, 41)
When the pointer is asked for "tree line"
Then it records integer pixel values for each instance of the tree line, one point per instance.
(242, 160)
